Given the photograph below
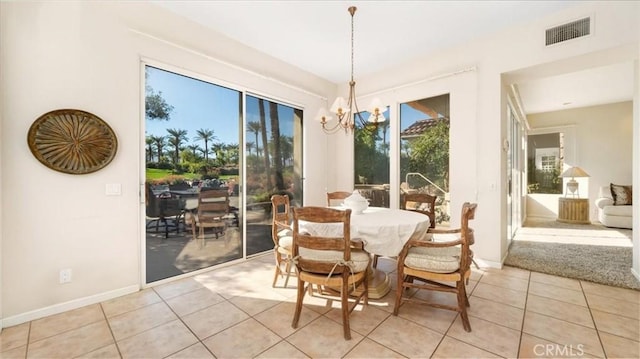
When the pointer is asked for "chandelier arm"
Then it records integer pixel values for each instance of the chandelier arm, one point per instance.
(333, 129)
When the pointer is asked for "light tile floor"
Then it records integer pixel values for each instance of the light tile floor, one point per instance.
(233, 312)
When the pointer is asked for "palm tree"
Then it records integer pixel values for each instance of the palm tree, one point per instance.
(277, 149)
(232, 151)
(176, 138)
(217, 150)
(149, 142)
(263, 126)
(255, 127)
(195, 149)
(205, 135)
(249, 145)
(286, 148)
(160, 142)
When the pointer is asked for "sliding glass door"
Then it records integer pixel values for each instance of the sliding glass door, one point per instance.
(192, 145)
(273, 139)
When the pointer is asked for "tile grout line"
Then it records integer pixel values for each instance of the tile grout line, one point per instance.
(182, 321)
(524, 314)
(595, 326)
(106, 319)
(456, 317)
(501, 325)
(26, 350)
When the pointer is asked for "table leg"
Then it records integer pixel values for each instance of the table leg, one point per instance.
(379, 284)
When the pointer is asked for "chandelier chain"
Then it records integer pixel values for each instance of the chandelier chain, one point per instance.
(352, 57)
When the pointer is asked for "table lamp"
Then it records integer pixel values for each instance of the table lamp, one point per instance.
(572, 184)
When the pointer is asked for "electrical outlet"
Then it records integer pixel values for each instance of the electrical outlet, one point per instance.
(65, 276)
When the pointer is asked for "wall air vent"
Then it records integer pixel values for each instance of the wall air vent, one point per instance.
(568, 31)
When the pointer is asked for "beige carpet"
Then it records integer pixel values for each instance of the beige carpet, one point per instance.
(587, 252)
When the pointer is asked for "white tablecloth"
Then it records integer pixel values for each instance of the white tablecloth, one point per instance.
(383, 230)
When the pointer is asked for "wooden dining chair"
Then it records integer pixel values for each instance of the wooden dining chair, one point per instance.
(329, 262)
(213, 207)
(436, 265)
(336, 198)
(418, 202)
(282, 235)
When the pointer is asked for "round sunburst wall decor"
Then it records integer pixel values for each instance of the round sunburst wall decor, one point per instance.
(72, 141)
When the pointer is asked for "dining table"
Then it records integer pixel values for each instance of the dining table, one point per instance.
(384, 231)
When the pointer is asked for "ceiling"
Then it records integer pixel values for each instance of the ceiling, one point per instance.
(315, 36)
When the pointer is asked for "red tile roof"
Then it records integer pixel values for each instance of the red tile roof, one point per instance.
(420, 126)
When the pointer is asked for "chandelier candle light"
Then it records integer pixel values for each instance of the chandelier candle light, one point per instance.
(572, 184)
(344, 109)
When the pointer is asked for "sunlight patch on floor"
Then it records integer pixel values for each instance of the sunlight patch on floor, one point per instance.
(555, 232)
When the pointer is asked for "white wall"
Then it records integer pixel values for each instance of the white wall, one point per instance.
(512, 52)
(87, 55)
(602, 145)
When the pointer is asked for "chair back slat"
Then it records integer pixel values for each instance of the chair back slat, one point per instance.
(321, 243)
(336, 198)
(421, 202)
(213, 204)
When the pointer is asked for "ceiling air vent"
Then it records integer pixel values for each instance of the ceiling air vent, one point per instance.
(568, 31)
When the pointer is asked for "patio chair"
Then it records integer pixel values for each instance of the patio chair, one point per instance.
(436, 264)
(282, 235)
(213, 207)
(329, 262)
(163, 211)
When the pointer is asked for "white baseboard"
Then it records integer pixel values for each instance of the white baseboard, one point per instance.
(490, 264)
(635, 274)
(63, 307)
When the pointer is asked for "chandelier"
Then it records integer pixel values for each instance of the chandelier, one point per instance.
(344, 109)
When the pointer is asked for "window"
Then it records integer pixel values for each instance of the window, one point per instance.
(545, 153)
(548, 163)
(424, 150)
(371, 160)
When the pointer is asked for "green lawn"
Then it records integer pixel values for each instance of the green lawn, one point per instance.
(156, 174)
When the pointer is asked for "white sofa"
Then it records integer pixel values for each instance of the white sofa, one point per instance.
(611, 215)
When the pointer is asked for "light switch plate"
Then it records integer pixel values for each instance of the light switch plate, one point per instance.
(113, 189)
